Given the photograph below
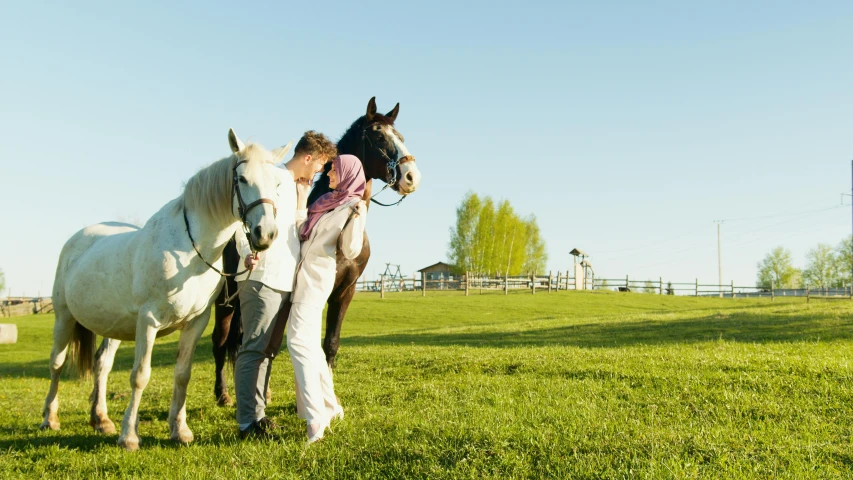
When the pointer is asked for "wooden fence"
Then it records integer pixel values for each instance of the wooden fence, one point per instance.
(28, 307)
(553, 283)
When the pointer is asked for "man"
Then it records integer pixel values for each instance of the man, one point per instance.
(267, 286)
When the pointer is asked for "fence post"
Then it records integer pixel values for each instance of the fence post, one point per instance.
(506, 284)
(733, 289)
(627, 288)
(697, 287)
(382, 286)
(772, 293)
(550, 279)
(467, 282)
(533, 277)
(660, 285)
(423, 284)
(808, 294)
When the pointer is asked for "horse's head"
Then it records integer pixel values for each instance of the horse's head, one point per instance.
(255, 181)
(383, 153)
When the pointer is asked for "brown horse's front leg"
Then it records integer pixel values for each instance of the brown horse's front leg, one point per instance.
(225, 339)
(339, 300)
(334, 319)
(221, 331)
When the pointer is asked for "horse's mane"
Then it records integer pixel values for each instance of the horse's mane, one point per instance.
(208, 192)
(347, 145)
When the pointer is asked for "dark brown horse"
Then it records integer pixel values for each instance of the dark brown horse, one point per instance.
(373, 139)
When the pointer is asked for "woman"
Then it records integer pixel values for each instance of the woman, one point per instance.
(340, 213)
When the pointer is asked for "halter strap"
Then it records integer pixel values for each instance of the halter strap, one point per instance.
(390, 169)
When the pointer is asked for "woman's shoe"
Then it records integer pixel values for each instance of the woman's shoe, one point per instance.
(316, 431)
(337, 414)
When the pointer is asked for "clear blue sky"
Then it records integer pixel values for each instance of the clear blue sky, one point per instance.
(626, 127)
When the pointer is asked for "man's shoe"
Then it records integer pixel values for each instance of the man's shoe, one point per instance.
(263, 429)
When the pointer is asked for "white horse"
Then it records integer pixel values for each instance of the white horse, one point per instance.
(129, 283)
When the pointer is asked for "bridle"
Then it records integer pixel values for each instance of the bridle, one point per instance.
(242, 210)
(390, 168)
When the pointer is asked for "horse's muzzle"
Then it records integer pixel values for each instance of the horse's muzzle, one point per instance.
(261, 239)
(409, 178)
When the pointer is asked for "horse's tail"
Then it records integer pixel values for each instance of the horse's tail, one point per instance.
(81, 350)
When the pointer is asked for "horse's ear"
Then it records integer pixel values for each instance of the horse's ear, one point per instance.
(392, 115)
(371, 108)
(235, 143)
(279, 153)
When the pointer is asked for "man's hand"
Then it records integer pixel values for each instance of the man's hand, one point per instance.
(303, 188)
(252, 261)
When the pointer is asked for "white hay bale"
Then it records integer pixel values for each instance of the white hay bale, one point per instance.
(8, 333)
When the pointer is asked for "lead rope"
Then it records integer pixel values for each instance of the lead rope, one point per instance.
(228, 299)
(248, 276)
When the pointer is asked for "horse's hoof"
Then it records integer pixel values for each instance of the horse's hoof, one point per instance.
(129, 444)
(47, 424)
(105, 426)
(224, 400)
(183, 436)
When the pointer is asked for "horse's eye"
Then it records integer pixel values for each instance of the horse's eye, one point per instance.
(242, 179)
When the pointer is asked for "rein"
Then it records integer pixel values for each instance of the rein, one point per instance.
(390, 169)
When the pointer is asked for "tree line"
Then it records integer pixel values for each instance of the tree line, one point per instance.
(826, 267)
(491, 238)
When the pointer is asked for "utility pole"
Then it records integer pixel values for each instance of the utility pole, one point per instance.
(851, 198)
(719, 260)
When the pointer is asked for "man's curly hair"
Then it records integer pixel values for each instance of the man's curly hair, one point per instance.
(317, 145)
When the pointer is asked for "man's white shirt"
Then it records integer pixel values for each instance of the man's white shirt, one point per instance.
(277, 264)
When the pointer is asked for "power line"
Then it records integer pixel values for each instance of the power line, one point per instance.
(761, 217)
(657, 243)
(765, 227)
(680, 254)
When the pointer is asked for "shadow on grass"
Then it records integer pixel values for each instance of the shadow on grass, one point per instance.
(94, 441)
(736, 327)
(35, 438)
(164, 354)
(20, 439)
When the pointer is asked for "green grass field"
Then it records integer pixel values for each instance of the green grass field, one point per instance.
(566, 385)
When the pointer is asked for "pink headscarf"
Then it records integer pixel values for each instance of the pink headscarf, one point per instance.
(351, 184)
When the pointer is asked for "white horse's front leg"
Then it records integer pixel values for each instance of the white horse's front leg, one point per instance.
(63, 330)
(98, 418)
(146, 333)
(186, 347)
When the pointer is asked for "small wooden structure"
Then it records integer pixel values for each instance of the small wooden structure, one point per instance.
(437, 274)
(583, 268)
(394, 278)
